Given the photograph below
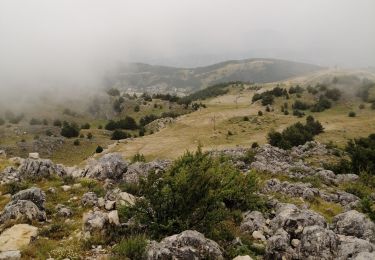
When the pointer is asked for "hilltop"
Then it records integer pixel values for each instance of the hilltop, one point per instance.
(154, 78)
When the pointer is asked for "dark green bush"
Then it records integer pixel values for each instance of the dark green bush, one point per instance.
(70, 130)
(296, 134)
(118, 135)
(85, 126)
(138, 158)
(99, 149)
(76, 142)
(362, 154)
(351, 114)
(197, 192)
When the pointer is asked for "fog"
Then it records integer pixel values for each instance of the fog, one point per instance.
(70, 44)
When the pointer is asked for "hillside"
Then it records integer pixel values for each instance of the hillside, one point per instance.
(153, 78)
(210, 126)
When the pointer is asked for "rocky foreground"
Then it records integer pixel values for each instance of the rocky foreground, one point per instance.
(288, 230)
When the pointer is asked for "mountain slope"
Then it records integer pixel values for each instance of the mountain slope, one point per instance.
(153, 78)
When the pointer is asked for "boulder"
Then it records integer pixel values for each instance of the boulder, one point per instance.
(89, 199)
(139, 170)
(354, 223)
(278, 246)
(350, 247)
(95, 221)
(36, 195)
(294, 220)
(110, 166)
(365, 256)
(16, 237)
(299, 189)
(63, 211)
(10, 255)
(21, 210)
(187, 245)
(243, 257)
(119, 197)
(317, 243)
(36, 169)
(252, 221)
(113, 218)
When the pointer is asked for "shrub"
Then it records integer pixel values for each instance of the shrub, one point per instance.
(57, 122)
(300, 105)
(76, 142)
(133, 247)
(138, 158)
(197, 192)
(118, 135)
(333, 94)
(126, 123)
(55, 231)
(99, 149)
(298, 113)
(69, 130)
(260, 113)
(35, 121)
(296, 134)
(100, 127)
(49, 133)
(362, 154)
(362, 106)
(147, 119)
(254, 145)
(267, 100)
(85, 126)
(89, 136)
(351, 114)
(14, 187)
(322, 104)
(137, 108)
(296, 90)
(286, 112)
(113, 92)
(246, 118)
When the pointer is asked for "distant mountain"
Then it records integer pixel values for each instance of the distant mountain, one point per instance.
(154, 78)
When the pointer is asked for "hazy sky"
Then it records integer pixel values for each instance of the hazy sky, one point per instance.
(58, 42)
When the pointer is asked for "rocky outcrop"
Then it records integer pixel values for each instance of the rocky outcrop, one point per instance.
(350, 247)
(354, 223)
(35, 195)
(278, 161)
(110, 166)
(187, 245)
(26, 205)
(13, 239)
(36, 169)
(252, 221)
(21, 210)
(293, 220)
(119, 197)
(96, 221)
(139, 170)
(159, 124)
(308, 192)
(317, 243)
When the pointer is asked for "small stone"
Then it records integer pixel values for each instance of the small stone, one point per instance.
(110, 205)
(66, 188)
(243, 257)
(295, 242)
(113, 217)
(258, 235)
(34, 156)
(101, 202)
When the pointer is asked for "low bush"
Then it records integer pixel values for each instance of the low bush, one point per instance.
(133, 247)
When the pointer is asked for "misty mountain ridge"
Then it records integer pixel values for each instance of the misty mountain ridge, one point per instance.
(156, 78)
